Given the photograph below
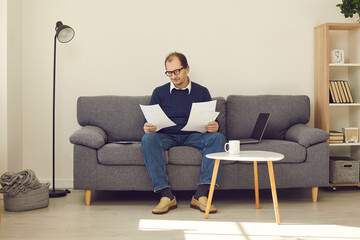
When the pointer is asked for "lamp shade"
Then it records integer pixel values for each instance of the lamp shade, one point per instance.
(64, 33)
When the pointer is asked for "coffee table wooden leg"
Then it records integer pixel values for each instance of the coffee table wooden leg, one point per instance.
(212, 187)
(273, 191)
(256, 183)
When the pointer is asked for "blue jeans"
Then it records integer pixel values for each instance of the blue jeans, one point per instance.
(154, 145)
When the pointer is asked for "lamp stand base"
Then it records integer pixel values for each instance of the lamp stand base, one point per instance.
(57, 193)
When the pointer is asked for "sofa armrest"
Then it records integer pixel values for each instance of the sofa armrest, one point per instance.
(89, 136)
(305, 135)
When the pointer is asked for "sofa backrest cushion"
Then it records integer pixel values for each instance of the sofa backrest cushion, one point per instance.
(121, 117)
(285, 110)
(221, 107)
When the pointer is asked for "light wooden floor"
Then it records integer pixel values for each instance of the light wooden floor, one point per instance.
(124, 215)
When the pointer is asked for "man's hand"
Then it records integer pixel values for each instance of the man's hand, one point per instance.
(212, 126)
(148, 127)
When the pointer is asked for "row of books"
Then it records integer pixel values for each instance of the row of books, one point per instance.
(336, 137)
(340, 92)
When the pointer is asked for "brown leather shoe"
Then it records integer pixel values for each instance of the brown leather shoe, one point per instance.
(201, 204)
(165, 205)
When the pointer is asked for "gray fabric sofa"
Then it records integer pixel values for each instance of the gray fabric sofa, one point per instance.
(108, 156)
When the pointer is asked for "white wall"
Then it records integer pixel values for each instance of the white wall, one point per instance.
(233, 47)
(14, 86)
(11, 145)
(3, 87)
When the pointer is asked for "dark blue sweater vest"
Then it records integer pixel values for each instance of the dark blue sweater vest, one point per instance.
(177, 104)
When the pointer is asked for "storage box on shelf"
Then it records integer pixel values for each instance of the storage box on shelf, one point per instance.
(335, 116)
(344, 170)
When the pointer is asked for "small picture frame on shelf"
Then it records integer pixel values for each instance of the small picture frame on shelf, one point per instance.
(337, 56)
(351, 135)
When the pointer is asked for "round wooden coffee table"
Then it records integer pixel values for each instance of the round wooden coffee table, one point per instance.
(248, 156)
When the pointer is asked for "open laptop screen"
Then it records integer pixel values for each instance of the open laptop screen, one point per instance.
(260, 126)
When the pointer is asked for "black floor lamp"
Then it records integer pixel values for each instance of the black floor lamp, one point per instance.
(64, 34)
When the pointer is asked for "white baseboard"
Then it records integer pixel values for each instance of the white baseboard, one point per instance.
(59, 183)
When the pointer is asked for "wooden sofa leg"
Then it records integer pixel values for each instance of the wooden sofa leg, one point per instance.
(314, 193)
(87, 197)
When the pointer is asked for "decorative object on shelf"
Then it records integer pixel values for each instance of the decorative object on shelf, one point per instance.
(349, 8)
(64, 34)
(351, 134)
(337, 56)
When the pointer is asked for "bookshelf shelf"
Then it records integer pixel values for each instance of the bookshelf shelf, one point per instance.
(344, 144)
(344, 65)
(344, 104)
(335, 116)
(334, 185)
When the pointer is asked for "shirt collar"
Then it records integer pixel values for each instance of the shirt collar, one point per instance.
(188, 87)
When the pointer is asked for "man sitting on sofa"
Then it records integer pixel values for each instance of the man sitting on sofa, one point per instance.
(176, 98)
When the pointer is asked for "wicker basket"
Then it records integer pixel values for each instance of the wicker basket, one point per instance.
(34, 199)
(344, 170)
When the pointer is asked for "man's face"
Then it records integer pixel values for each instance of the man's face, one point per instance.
(180, 80)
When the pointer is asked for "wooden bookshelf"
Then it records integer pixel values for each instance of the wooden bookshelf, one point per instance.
(332, 116)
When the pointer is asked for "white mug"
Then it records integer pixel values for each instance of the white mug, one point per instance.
(234, 147)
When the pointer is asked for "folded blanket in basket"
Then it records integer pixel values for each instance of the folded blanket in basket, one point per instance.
(23, 181)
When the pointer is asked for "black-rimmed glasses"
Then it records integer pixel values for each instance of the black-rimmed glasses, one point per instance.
(176, 72)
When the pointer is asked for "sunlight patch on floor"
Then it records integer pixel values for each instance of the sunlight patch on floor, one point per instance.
(210, 230)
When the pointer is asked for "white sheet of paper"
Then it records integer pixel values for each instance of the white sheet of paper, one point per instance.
(201, 114)
(156, 116)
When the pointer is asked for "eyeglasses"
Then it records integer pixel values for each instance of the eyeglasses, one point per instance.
(176, 72)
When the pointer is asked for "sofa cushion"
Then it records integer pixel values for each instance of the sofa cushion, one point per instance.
(119, 116)
(305, 135)
(292, 151)
(89, 136)
(122, 154)
(221, 107)
(185, 155)
(286, 111)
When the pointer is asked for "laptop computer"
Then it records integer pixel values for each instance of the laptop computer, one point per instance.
(258, 130)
